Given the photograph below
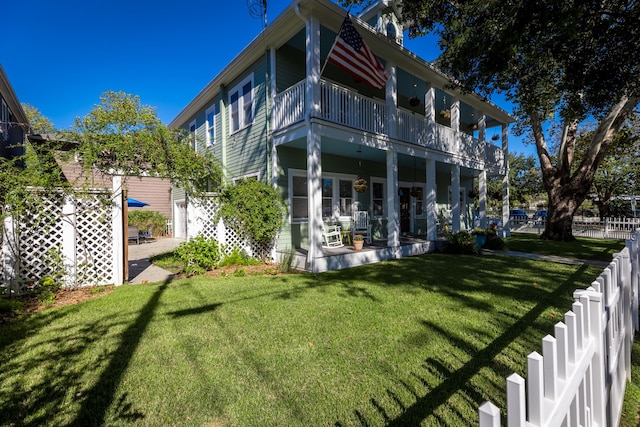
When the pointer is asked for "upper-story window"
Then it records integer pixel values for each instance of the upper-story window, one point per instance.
(241, 105)
(211, 125)
(192, 135)
(4, 120)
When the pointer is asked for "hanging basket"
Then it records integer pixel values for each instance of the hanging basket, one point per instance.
(415, 191)
(414, 101)
(445, 114)
(360, 185)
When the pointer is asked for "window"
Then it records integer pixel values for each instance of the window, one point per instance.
(327, 197)
(299, 203)
(377, 198)
(193, 136)
(346, 197)
(418, 194)
(4, 120)
(211, 125)
(241, 105)
(337, 196)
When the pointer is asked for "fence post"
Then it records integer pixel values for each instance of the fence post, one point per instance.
(69, 241)
(625, 274)
(9, 256)
(597, 331)
(632, 245)
(489, 415)
(117, 230)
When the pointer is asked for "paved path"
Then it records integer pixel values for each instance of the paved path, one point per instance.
(553, 258)
(140, 269)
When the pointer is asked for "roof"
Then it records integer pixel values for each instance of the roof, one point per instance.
(8, 94)
(292, 20)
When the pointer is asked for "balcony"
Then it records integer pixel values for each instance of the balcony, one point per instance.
(342, 106)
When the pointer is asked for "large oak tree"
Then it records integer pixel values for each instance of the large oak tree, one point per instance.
(572, 61)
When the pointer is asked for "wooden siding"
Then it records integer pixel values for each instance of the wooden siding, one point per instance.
(155, 191)
(290, 67)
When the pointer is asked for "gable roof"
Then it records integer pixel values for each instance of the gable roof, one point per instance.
(331, 16)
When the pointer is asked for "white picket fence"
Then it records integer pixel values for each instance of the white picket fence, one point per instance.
(580, 378)
(607, 228)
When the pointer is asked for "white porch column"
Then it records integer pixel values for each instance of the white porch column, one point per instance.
(482, 178)
(455, 122)
(393, 216)
(117, 228)
(314, 148)
(455, 197)
(430, 113)
(431, 200)
(506, 232)
(274, 152)
(482, 190)
(391, 94)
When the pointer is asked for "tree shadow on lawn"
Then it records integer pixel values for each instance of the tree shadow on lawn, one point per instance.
(62, 368)
(442, 381)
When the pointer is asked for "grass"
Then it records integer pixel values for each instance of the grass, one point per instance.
(581, 248)
(419, 341)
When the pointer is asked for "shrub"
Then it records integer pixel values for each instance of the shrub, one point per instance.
(143, 219)
(237, 257)
(199, 255)
(253, 209)
(461, 242)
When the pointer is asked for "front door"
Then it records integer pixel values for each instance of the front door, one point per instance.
(405, 210)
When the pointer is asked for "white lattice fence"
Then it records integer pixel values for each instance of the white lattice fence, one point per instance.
(204, 212)
(69, 238)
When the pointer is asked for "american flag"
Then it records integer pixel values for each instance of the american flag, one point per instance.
(352, 54)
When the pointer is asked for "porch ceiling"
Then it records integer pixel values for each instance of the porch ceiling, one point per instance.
(345, 149)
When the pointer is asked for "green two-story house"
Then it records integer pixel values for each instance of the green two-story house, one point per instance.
(282, 113)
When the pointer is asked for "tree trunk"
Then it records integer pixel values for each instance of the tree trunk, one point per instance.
(563, 205)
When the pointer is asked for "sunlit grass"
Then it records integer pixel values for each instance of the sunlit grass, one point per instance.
(581, 248)
(423, 340)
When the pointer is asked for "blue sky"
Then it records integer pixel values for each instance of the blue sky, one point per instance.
(61, 55)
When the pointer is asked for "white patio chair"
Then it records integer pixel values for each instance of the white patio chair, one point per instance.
(331, 236)
(361, 225)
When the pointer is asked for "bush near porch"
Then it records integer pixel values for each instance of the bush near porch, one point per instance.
(423, 339)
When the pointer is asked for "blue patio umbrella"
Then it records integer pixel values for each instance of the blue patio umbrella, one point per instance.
(133, 203)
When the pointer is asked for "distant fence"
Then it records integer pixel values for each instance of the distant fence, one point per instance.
(608, 228)
(580, 378)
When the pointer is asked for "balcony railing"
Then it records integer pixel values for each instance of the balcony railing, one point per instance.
(345, 107)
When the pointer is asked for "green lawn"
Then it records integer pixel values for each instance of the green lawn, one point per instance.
(581, 248)
(423, 340)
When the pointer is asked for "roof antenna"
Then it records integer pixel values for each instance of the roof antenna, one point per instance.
(258, 9)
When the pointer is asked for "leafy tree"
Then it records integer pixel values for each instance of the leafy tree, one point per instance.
(40, 124)
(525, 182)
(571, 60)
(122, 135)
(253, 209)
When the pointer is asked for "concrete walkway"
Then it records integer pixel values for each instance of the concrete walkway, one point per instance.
(143, 271)
(552, 258)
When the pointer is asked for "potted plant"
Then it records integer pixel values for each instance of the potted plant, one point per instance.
(480, 236)
(445, 114)
(414, 101)
(415, 191)
(358, 242)
(360, 185)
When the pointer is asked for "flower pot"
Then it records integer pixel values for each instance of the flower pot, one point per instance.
(481, 239)
(360, 188)
(357, 245)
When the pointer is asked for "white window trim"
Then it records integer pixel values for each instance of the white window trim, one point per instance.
(210, 126)
(255, 175)
(336, 177)
(241, 119)
(382, 181)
